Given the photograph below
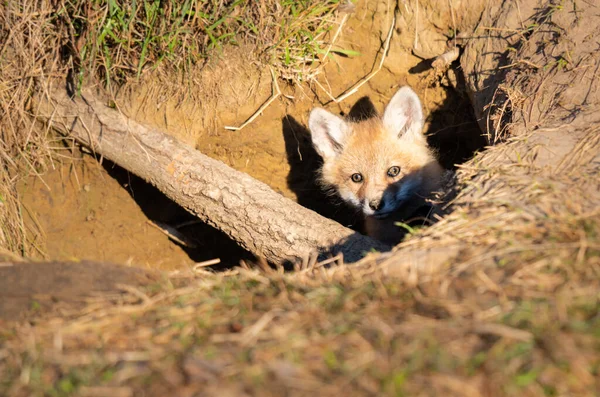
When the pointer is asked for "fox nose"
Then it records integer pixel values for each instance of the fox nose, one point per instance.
(375, 204)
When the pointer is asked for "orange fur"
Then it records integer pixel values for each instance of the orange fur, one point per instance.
(373, 148)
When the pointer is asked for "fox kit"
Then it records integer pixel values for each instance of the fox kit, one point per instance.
(382, 165)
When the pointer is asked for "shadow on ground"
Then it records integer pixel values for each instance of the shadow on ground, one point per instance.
(204, 242)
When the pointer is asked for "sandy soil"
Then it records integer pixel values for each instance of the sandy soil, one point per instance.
(85, 211)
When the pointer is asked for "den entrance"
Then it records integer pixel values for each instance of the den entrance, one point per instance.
(114, 216)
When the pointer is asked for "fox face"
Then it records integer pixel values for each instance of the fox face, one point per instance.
(381, 165)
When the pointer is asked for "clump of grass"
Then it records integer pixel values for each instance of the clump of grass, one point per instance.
(113, 42)
(117, 39)
(28, 53)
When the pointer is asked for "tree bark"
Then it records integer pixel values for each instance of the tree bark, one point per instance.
(248, 211)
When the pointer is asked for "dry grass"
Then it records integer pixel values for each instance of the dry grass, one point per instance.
(115, 39)
(25, 35)
(515, 311)
(329, 332)
(114, 42)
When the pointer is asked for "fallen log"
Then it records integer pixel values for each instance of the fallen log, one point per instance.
(248, 211)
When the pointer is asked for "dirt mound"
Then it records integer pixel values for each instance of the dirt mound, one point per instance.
(40, 288)
(534, 67)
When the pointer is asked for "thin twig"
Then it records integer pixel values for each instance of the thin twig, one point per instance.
(169, 234)
(524, 61)
(335, 36)
(134, 291)
(416, 42)
(274, 95)
(249, 336)
(445, 60)
(207, 263)
(328, 92)
(453, 20)
(356, 86)
(338, 258)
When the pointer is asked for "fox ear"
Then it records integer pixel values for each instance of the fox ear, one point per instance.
(403, 116)
(328, 132)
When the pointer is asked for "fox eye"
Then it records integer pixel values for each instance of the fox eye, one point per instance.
(393, 171)
(356, 178)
